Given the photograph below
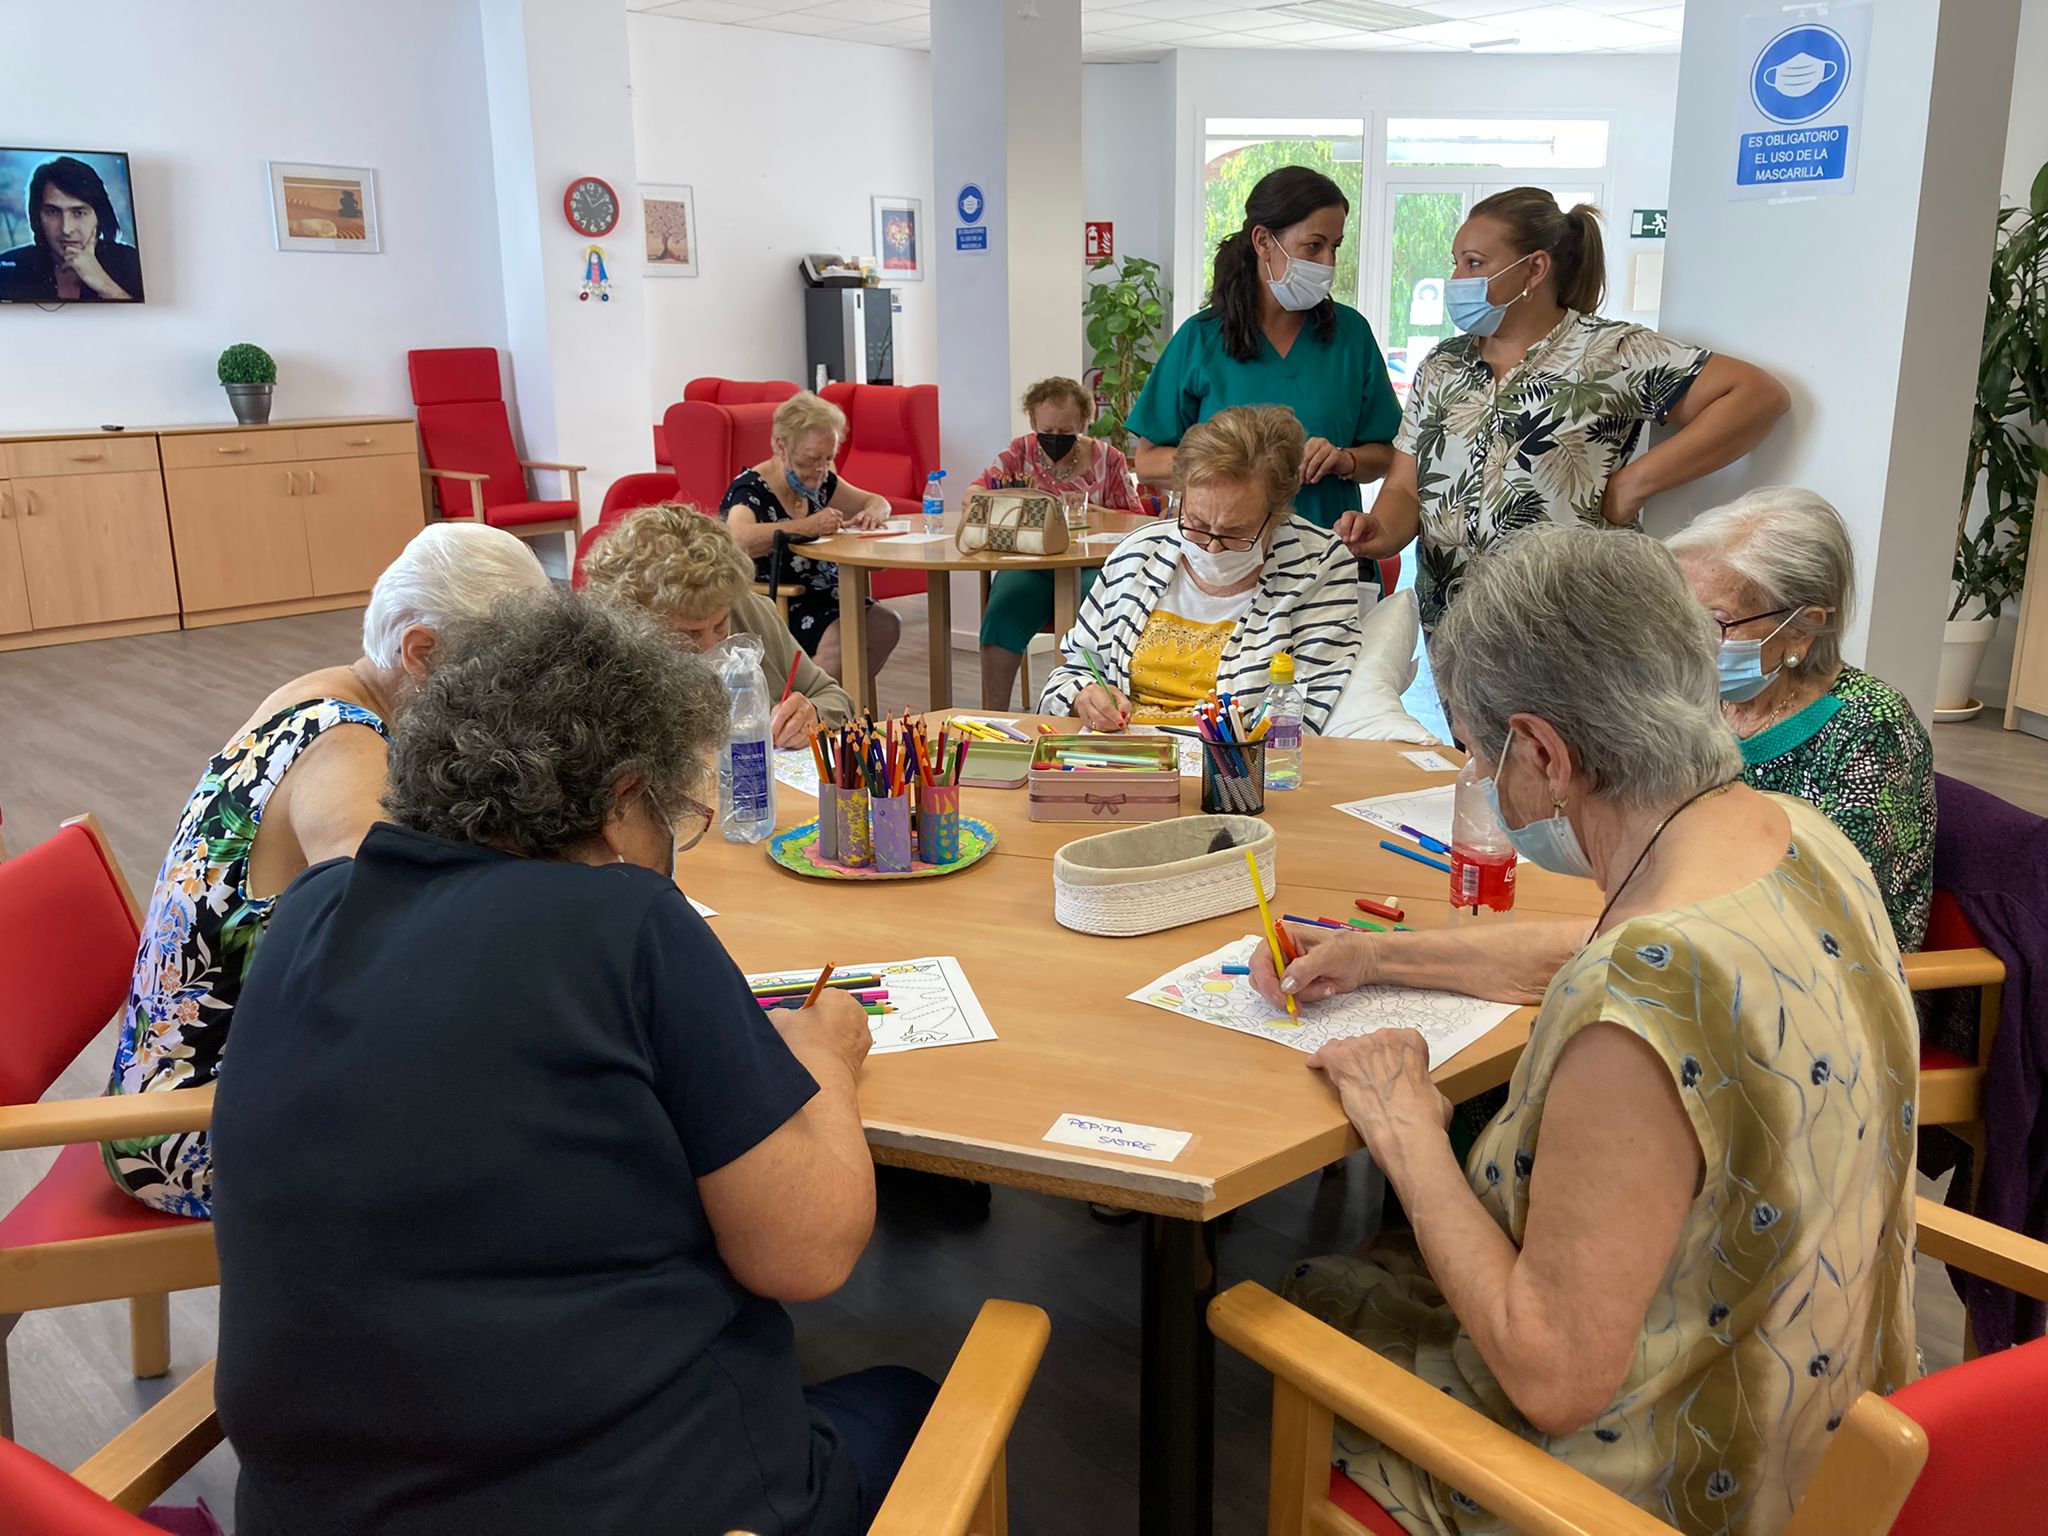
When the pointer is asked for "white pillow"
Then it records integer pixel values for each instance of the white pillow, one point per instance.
(1369, 708)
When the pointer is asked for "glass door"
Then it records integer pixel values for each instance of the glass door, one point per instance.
(1420, 221)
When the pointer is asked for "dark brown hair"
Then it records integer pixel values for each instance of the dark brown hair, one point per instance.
(1281, 200)
(1046, 391)
(1572, 240)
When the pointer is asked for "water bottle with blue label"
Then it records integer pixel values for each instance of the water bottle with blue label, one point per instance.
(746, 768)
(934, 502)
(1283, 711)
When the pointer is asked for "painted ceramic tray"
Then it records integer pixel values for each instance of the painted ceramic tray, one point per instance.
(796, 851)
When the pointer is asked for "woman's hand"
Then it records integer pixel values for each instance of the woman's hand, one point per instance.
(1320, 457)
(1622, 504)
(1102, 709)
(1383, 1080)
(1331, 962)
(1365, 535)
(793, 721)
(822, 523)
(872, 515)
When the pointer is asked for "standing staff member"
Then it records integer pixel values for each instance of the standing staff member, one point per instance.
(1272, 335)
(1531, 416)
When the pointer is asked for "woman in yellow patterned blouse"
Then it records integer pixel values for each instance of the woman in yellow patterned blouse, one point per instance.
(1684, 1248)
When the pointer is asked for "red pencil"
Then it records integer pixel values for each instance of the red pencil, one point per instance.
(791, 684)
(1392, 914)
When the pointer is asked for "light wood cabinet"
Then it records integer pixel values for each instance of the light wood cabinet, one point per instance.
(95, 548)
(359, 514)
(14, 614)
(240, 534)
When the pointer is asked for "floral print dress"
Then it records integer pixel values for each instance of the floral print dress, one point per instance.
(197, 942)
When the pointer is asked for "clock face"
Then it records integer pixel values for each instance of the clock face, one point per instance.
(591, 206)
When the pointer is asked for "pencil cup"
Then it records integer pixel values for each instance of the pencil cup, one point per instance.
(856, 832)
(891, 820)
(1233, 779)
(828, 824)
(938, 823)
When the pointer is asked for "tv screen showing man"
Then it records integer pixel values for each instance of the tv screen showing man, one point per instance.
(79, 221)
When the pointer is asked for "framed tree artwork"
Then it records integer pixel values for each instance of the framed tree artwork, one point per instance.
(669, 216)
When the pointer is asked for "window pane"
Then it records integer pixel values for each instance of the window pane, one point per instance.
(1568, 143)
(1235, 161)
(1420, 260)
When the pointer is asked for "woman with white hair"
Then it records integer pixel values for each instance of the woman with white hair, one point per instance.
(1776, 572)
(298, 784)
(1627, 1268)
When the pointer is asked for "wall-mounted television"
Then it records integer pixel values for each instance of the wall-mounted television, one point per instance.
(67, 228)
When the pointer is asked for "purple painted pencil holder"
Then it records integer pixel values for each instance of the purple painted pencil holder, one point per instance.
(856, 830)
(891, 819)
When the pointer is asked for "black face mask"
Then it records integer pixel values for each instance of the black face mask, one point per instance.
(1056, 445)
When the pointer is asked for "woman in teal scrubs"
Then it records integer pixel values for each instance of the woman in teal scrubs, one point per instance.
(1272, 335)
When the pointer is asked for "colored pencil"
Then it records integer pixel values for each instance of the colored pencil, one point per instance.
(1426, 840)
(1251, 863)
(1237, 970)
(825, 975)
(1310, 922)
(1391, 913)
(790, 684)
(1420, 858)
(844, 982)
(1359, 922)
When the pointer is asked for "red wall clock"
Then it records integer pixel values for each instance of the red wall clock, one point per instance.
(591, 206)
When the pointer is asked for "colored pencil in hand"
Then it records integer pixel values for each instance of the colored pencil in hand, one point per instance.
(818, 986)
(1272, 934)
(789, 685)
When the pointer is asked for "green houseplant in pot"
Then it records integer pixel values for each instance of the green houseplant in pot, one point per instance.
(2006, 454)
(249, 374)
(1125, 315)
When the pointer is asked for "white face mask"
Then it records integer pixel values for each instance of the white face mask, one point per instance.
(1223, 568)
(1304, 284)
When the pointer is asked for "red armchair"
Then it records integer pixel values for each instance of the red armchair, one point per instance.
(892, 444)
(726, 394)
(467, 439)
(629, 493)
(718, 428)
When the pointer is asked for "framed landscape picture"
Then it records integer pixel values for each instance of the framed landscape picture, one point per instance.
(324, 208)
(669, 215)
(899, 238)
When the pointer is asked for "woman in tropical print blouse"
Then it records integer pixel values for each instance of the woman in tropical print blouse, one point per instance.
(1533, 414)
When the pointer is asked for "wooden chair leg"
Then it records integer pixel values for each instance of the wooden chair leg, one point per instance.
(1302, 1431)
(6, 1387)
(149, 1335)
(992, 1514)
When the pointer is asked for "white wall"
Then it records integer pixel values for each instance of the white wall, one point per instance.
(200, 97)
(783, 140)
(1127, 155)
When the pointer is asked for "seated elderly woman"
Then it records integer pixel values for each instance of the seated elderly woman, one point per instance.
(685, 569)
(797, 494)
(1627, 1267)
(1776, 572)
(1204, 603)
(1057, 456)
(513, 1165)
(297, 783)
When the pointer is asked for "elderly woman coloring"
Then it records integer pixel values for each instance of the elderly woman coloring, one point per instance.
(1206, 602)
(1629, 1267)
(1776, 572)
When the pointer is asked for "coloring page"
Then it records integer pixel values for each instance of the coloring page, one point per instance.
(929, 1002)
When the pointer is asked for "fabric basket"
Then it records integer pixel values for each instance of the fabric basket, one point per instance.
(1161, 875)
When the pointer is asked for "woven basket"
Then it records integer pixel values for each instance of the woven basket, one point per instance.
(1142, 879)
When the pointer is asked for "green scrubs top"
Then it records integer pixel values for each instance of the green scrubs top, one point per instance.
(1338, 388)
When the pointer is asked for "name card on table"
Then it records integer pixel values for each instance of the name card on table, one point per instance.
(1125, 1136)
(1434, 762)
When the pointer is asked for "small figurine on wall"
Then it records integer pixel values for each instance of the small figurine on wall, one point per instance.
(596, 284)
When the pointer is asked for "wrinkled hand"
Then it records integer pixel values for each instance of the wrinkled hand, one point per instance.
(873, 515)
(1383, 1081)
(1622, 504)
(1102, 709)
(1330, 963)
(793, 721)
(1364, 535)
(824, 522)
(1320, 457)
(835, 1024)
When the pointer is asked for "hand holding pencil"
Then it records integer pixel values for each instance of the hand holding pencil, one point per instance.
(1325, 962)
(830, 1026)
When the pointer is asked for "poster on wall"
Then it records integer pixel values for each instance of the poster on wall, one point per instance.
(669, 215)
(1799, 103)
(330, 208)
(899, 238)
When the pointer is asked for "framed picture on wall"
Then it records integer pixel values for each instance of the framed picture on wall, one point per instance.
(669, 215)
(324, 208)
(899, 238)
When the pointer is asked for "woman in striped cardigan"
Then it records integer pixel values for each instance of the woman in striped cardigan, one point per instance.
(1207, 602)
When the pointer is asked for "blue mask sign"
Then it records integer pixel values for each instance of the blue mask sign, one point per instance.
(1799, 107)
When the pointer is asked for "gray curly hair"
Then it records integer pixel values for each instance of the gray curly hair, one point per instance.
(522, 734)
(1596, 632)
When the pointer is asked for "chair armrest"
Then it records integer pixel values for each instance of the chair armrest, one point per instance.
(1522, 1484)
(135, 1467)
(1934, 970)
(113, 1118)
(1980, 1248)
(544, 464)
(453, 474)
(940, 1486)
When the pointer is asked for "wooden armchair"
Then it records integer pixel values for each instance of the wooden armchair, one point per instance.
(472, 469)
(128, 1473)
(1951, 1086)
(1969, 1427)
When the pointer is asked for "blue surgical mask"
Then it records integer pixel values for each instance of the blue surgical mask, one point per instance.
(1549, 843)
(1471, 311)
(1742, 666)
(813, 495)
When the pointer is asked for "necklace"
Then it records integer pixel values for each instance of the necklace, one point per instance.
(1633, 869)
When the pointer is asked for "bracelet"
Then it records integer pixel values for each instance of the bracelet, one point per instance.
(1350, 463)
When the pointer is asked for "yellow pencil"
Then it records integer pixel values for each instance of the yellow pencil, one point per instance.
(1272, 934)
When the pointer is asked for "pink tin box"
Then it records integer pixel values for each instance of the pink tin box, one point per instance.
(1105, 780)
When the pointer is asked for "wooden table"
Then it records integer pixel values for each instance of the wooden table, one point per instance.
(1069, 1042)
(857, 557)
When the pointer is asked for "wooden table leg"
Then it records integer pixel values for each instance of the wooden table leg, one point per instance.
(939, 618)
(1066, 602)
(859, 680)
(1177, 1379)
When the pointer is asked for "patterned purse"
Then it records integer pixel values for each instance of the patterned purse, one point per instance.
(1012, 522)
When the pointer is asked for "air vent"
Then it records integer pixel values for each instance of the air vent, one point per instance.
(1360, 15)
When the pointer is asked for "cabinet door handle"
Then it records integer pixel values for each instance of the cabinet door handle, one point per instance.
(291, 483)
(87, 458)
(28, 503)
(359, 442)
(244, 448)
(312, 483)
(6, 507)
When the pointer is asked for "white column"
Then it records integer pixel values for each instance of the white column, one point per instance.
(561, 108)
(1869, 306)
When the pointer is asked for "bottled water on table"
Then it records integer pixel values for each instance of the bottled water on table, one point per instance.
(746, 767)
(935, 502)
(1283, 741)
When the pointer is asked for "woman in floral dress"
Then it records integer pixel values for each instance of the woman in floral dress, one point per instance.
(298, 784)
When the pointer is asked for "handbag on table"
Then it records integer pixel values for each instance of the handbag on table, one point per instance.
(1012, 522)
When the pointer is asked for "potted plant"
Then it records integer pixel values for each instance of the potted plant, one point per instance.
(250, 374)
(1125, 316)
(2006, 451)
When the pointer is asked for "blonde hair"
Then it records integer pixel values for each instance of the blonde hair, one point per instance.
(1261, 444)
(671, 560)
(804, 413)
(1047, 391)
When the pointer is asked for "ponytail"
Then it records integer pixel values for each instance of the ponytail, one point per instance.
(1281, 200)
(1572, 241)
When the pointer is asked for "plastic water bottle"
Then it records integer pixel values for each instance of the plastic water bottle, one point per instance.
(1283, 709)
(935, 502)
(746, 770)
(1482, 858)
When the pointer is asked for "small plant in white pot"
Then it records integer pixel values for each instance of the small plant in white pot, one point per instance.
(249, 374)
(2006, 452)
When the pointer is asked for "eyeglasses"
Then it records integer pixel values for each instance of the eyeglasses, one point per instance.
(1215, 543)
(704, 816)
(1771, 613)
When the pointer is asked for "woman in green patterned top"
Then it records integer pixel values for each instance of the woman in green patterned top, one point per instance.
(1533, 415)
(1776, 572)
(1629, 1269)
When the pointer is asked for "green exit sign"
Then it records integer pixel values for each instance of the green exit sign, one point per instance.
(1648, 223)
